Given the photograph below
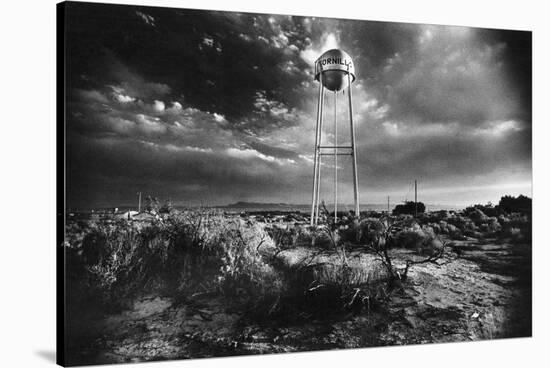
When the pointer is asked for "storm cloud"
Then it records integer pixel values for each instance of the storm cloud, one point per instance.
(208, 107)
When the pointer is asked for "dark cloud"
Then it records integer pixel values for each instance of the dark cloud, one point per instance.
(214, 107)
(216, 60)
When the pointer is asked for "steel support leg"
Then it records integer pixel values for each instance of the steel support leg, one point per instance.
(316, 160)
(353, 150)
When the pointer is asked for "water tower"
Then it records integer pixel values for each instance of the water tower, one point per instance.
(335, 72)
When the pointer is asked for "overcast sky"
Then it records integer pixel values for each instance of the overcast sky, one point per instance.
(213, 107)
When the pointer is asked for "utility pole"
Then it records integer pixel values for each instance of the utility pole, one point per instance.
(415, 200)
(139, 202)
(388, 205)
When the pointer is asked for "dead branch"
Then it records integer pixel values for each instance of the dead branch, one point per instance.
(350, 303)
(262, 240)
(433, 259)
(385, 258)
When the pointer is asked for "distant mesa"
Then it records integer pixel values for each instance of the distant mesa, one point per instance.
(242, 204)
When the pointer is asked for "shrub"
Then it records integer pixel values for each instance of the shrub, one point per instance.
(423, 240)
(440, 215)
(469, 226)
(244, 268)
(458, 221)
(436, 228)
(118, 259)
(493, 223)
(322, 239)
(454, 232)
(291, 236)
(477, 216)
(502, 219)
(487, 209)
(492, 226)
(443, 227)
(368, 231)
(516, 228)
(409, 208)
(520, 204)
(410, 238)
(179, 253)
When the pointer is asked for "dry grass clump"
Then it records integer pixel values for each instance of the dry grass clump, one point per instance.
(189, 252)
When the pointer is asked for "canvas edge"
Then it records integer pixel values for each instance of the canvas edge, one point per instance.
(60, 182)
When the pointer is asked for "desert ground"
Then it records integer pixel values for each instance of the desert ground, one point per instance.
(195, 284)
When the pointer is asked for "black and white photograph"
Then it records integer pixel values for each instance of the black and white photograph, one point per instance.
(241, 183)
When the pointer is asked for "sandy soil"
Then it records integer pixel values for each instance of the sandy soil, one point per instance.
(484, 293)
